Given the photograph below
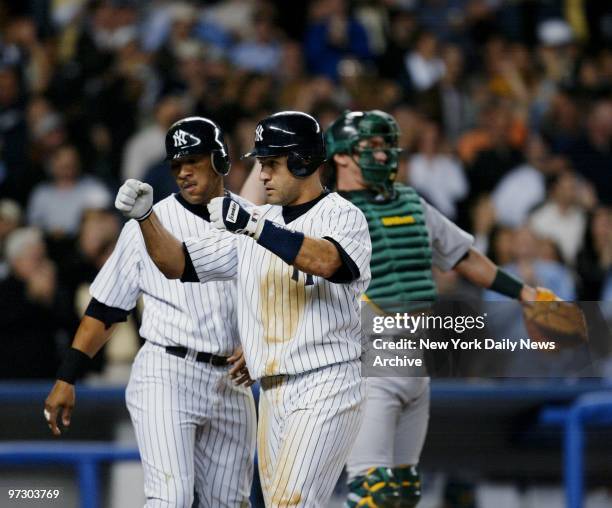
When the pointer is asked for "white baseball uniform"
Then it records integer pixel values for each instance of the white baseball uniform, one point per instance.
(301, 335)
(193, 425)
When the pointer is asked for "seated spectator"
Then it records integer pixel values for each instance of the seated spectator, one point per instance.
(496, 122)
(424, 66)
(594, 261)
(526, 264)
(333, 36)
(562, 217)
(98, 233)
(10, 219)
(36, 318)
(455, 103)
(523, 188)
(56, 207)
(261, 53)
(592, 154)
(498, 154)
(146, 147)
(436, 175)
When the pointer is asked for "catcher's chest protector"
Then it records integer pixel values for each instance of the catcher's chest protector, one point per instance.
(401, 255)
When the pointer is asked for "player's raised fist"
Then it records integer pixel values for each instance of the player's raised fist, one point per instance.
(135, 199)
(225, 213)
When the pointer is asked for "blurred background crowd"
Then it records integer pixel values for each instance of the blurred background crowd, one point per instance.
(505, 109)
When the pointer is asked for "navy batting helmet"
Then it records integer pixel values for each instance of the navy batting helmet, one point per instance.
(294, 134)
(198, 135)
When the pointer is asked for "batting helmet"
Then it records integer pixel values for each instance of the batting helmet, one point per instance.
(344, 135)
(198, 135)
(294, 134)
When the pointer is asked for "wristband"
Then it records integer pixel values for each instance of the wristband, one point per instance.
(146, 215)
(283, 242)
(73, 366)
(507, 284)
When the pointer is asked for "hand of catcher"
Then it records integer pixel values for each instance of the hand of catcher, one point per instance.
(227, 214)
(61, 399)
(135, 199)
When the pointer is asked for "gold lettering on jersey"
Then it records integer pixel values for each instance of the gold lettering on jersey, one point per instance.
(397, 220)
(282, 302)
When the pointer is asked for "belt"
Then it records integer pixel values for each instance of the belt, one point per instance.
(181, 352)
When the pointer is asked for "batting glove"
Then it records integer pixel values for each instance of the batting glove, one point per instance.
(135, 199)
(227, 214)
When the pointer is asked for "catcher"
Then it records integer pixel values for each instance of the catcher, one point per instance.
(409, 236)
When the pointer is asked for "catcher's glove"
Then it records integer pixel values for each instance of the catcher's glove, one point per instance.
(549, 318)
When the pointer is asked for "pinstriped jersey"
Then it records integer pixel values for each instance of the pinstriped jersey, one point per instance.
(198, 316)
(291, 322)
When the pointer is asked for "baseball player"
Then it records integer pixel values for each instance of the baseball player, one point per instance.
(301, 263)
(194, 426)
(409, 237)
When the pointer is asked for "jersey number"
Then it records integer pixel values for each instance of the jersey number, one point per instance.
(296, 277)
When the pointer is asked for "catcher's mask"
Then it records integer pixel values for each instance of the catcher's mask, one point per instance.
(364, 133)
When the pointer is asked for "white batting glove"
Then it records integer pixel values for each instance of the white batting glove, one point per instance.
(226, 214)
(135, 199)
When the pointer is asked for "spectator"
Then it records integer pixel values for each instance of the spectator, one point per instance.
(424, 66)
(13, 134)
(10, 219)
(98, 233)
(526, 264)
(34, 318)
(146, 147)
(594, 261)
(333, 36)
(402, 32)
(436, 175)
(592, 154)
(524, 187)
(562, 218)
(499, 155)
(57, 207)
(263, 52)
(456, 106)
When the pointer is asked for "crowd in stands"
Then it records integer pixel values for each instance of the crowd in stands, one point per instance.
(505, 110)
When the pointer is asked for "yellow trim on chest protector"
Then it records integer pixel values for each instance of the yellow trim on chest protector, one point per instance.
(397, 220)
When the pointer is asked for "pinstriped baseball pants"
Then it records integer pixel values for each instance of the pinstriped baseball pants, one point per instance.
(307, 425)
(194, 429)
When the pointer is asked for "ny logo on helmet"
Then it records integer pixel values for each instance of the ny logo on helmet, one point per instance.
(184, 139)
(259, 133)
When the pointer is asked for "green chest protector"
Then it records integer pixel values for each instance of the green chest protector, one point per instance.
(401, 255)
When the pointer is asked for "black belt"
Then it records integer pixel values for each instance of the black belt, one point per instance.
(181, 352)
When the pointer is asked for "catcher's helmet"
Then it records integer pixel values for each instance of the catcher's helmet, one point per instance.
(198, 135)
(345, 133)
(294, 134)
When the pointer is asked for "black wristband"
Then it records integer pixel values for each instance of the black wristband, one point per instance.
(286, 244)
(507, 284)
(73, 366)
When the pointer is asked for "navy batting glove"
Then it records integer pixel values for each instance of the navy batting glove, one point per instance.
(227, 214)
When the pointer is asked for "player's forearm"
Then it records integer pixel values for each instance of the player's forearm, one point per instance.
(318, 256)
(163, 248)
(481, 271)
(91, 335)
(477, 268)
